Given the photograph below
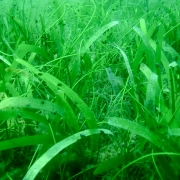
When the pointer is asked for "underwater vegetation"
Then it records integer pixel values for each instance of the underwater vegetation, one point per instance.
(89, 89)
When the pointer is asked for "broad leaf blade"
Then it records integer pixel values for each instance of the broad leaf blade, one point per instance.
(53, 151)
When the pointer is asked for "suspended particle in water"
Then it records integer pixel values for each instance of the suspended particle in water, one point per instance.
(42, 102)
(82, 135)
(102, 132)
(19, 116)
(59, 84)
(28, 105)
(40, 74)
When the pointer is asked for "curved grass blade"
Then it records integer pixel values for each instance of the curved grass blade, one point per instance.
(127, 66)
(160, 141)
(53, 151)
(26, 141)
(97, 35)
(57, 87)
(156, 167)
(25, 102)
(149, 51)
(114, 162)
(146, 156)
(5, 60)
(8, 114)
(140, 130)
(153, 94)
(159, 53)
(131, 77)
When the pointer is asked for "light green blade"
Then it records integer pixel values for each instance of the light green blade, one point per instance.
(53, 151)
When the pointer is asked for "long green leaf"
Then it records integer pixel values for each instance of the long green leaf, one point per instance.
(53, 151)
(149, 51)
(5, 60)
(25, 141)
(114, 162)
(25, 102)
(129, 69)
(8, 114)
(96, 35)
(135, 128)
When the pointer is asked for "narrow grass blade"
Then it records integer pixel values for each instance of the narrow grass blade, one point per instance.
(146, 156)
(141, 48)
(163, 59)
(129, 69)
(5, 60)
(153, 93)
(158, 140)
(149, 135)
(132, 81)
(143, 26)
(75, 69)
(54, 150)
(138, 58)
(96, 36)
(8, 114)
(174, 119)
(21, 28)
(150, 55)
(159, 52)
(166, 77)
(173, 89)
(156, 167)
(58, 40)
(114, 162)
(150, 103)
(25, 141)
